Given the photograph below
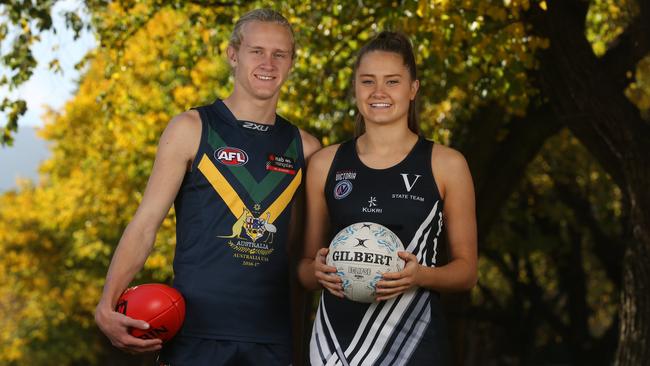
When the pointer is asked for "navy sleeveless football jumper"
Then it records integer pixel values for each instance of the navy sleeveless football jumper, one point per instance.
(232, 213)
(408, 329)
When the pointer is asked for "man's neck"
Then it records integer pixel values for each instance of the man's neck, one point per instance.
(245, 108)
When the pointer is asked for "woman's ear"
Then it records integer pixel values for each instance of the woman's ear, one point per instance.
(415, 86)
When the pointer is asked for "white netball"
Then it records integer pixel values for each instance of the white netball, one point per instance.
(361, 253)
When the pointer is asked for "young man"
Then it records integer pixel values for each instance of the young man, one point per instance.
(231, 169)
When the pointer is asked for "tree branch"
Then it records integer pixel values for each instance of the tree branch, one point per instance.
(504, 162)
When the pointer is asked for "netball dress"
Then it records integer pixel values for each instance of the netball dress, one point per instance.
(408, 329)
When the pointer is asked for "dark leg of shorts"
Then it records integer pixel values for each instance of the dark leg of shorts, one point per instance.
(189, 351)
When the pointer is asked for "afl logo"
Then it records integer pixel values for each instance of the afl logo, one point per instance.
(231, 156)
(342, 189)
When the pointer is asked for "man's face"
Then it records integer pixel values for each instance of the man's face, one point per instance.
(263, 60)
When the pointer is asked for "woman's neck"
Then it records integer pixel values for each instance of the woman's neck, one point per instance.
(385, 140)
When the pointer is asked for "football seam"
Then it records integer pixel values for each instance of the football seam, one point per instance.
(154, 318)
(175, 305)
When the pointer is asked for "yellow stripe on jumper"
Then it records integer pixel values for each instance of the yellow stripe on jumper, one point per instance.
(221, 185)
(278, 206)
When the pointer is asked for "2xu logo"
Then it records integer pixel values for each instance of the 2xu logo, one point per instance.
(231, 156)
(256, 126)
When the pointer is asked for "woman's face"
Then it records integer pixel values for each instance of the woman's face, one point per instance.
(383, 88)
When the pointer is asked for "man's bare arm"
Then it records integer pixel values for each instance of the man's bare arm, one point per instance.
(176, 149)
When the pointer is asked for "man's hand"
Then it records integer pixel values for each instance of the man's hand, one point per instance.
(116, 327)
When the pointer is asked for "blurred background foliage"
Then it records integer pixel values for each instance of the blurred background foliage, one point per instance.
(553, 222)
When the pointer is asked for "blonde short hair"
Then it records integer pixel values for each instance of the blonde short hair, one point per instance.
(260, 15)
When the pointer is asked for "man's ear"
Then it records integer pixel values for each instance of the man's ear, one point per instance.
(231, 52)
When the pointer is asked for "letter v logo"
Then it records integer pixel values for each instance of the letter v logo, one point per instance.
(408, 184)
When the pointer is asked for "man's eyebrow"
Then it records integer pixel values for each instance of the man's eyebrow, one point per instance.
(261, 48)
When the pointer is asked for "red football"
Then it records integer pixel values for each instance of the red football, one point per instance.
(159, 305)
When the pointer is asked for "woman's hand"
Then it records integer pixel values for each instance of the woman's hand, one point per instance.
(326, 275)
(396, 283)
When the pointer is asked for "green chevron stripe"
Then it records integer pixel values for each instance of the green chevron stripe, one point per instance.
(258, 191)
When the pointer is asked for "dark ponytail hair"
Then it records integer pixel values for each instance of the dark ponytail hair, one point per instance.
(398, 43)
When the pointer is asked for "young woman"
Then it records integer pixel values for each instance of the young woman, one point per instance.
(400, 180)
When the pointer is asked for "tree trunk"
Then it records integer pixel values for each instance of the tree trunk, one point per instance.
(634, 315)
(588, 93)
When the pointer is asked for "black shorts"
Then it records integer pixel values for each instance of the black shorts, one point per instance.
(190, 351)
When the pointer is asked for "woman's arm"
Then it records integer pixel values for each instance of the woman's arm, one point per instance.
(455, 184)
(312, 270)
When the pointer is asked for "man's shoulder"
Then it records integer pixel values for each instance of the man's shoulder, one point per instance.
(189, 117)
(310, 144)
(322, 159)
(185, 123)
(183, 132)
